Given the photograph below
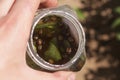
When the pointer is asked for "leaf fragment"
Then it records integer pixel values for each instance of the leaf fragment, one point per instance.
(53, 53)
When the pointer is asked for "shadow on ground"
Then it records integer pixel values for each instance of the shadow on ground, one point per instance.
(101, 40)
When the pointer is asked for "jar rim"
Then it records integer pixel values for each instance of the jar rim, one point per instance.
(41, 62)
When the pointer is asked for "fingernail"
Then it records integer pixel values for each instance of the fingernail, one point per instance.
(72, 77)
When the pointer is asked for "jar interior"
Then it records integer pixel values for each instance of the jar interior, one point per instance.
(55, 39)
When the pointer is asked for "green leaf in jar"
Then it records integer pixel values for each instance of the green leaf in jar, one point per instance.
(50, 25)
(34, 47)
(53, 53)
(54, 41)
(66, 43)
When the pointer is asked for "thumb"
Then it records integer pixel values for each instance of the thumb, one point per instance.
(48, 3)
(61, 75)
(65, 75)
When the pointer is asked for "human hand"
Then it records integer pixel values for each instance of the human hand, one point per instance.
(16, 18)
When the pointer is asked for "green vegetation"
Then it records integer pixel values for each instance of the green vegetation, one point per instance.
(116, 22)
(80, 14)
(53, 53)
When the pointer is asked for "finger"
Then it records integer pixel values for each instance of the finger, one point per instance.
(21, 16)
(48, 3)
(43, 1)
(17, 24)
(61, 75)
(65, 75)
(5, 6)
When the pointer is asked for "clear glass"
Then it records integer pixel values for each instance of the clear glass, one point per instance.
(69, 17)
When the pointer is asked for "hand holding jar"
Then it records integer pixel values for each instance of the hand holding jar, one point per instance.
(16, 17)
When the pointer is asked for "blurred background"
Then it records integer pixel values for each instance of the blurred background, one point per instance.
(101, 22)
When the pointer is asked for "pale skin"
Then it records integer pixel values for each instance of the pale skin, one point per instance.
(16, 18)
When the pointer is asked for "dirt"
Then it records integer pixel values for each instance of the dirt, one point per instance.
(102, 47)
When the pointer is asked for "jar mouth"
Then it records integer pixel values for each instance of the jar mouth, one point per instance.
(80, 39)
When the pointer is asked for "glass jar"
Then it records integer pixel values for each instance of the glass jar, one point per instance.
(70, 18)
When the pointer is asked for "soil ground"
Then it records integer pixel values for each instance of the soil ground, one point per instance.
(103, 49)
